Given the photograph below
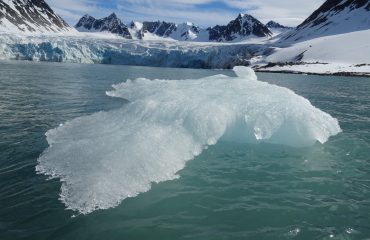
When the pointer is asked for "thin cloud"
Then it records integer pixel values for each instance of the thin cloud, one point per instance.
(201, 12)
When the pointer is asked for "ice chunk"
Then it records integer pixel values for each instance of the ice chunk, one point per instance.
(109, 156)
(245, 72)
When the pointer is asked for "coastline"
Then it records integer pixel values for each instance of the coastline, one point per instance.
(257, 70)
(341, 74)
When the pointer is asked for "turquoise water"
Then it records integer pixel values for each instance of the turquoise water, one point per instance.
(230, 191)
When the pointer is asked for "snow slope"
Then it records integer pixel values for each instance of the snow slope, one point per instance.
(333, 17)
(353, 47)
(334, 39)
(349, 52)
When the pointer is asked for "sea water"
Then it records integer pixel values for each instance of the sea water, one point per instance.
(181, 154)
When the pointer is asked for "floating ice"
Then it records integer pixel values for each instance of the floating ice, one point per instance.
(109, 156)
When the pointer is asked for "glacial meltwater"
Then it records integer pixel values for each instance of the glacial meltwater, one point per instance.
(117, 152)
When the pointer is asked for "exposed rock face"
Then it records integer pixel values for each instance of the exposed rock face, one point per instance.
(108, 24)
(161, 29)
(334, 17)
(30, 16)
(243, 26)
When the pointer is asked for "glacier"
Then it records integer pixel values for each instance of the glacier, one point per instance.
(109, 156)
(95, 48)
(320, 55)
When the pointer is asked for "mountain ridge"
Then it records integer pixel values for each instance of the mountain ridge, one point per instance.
(275, 25)
(333, 17)
(111, 24)
(242, 27)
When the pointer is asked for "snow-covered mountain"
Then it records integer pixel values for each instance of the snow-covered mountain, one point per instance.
(108, 24)
(242, 27)
(181, 32)
(276, 28)
(30, 16)
(139, 30)
(334, 17)
(161, 29)
(188, 32)
(276, 25)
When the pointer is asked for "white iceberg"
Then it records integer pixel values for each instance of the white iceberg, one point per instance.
(109, 156)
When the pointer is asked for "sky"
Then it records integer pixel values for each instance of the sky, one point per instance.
(203, 13)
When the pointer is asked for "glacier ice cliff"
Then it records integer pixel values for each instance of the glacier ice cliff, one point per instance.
(77, 49)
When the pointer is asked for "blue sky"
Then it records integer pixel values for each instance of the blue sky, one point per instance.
(201, 12)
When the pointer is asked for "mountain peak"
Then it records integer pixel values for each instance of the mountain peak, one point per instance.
(244, 16)
(247, 15)
(112, 15)
(243, 26)
(109, 24)
(160, 28)
(274, 25)
(30, 16)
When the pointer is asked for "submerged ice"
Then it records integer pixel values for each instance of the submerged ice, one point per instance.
(109, 156)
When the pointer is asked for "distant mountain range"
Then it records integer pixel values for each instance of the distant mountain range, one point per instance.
(333, 17)
(244, 26)
(30, 16)
(33, 16)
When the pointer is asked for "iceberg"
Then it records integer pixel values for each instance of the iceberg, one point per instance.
(107, 157)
